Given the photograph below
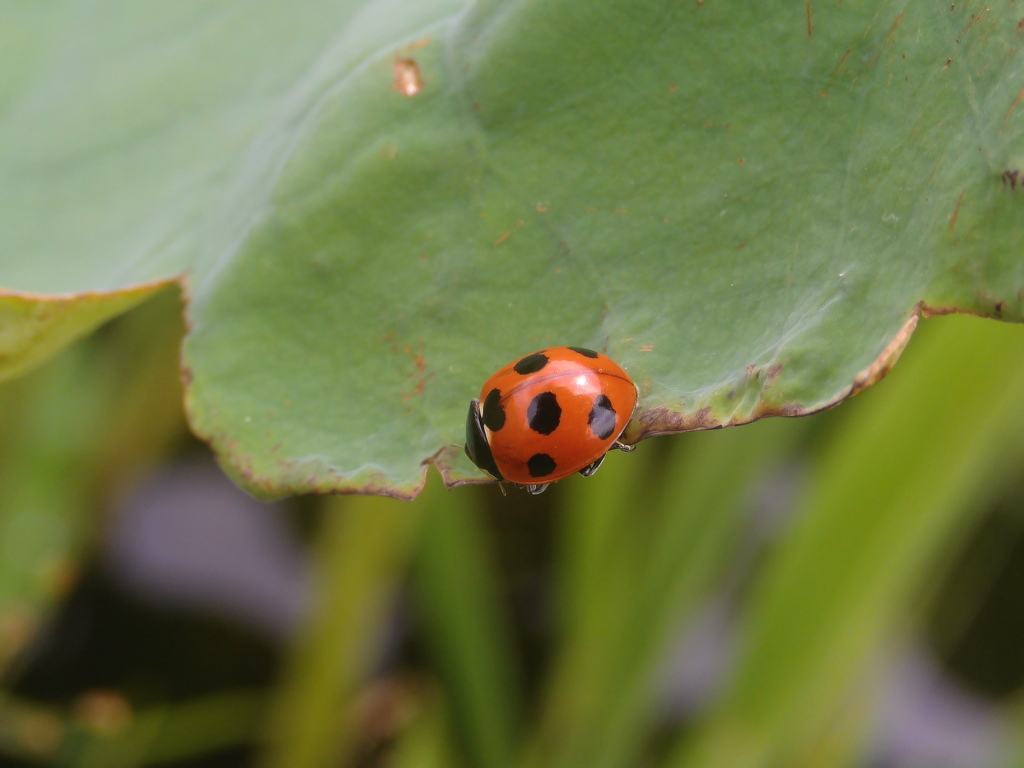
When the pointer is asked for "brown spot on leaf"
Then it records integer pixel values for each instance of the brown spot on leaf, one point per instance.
(419, 376)
(841, 64)
(975, 18)
(956, 211)
(890, 36)
(1016, 101)
(662, 421)
(408, 80)
(1011, 177)
(502, 238)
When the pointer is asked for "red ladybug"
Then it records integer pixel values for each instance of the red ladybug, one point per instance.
(549, 414)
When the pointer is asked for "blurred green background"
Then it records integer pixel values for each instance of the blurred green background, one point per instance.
(742, 203)
(843, 589)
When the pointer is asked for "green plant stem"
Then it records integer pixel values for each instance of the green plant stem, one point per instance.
(459, 604)
(361, 555)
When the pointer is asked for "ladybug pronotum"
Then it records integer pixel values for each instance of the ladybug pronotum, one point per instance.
(548, 415)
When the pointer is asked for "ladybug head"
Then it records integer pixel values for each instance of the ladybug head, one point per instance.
(477, 447)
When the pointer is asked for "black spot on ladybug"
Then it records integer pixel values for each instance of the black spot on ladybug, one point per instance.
(544, 413)
(494, 411)
(585, 352)
(602, 417)
(531, 363)
(540, 465)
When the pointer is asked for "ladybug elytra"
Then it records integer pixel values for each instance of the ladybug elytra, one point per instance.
(549, 414)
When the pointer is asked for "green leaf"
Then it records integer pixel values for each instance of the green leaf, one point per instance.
(457, 603)
(748, 207)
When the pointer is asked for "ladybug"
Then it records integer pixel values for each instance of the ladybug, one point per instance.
(548, 415)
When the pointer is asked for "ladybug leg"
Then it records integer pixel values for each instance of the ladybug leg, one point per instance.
(591, 468)
(623, 446)
(536, 489)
